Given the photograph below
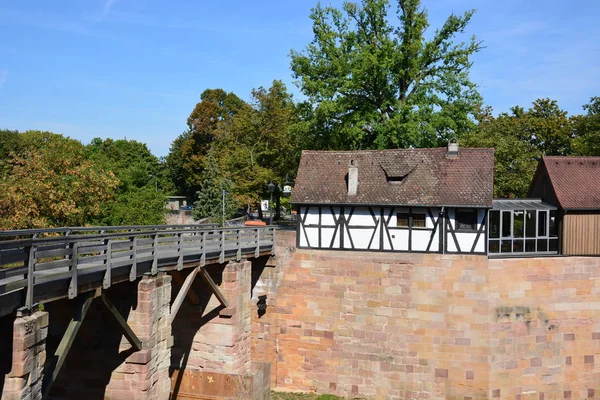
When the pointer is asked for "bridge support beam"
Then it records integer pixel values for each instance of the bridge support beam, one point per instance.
(24, 381)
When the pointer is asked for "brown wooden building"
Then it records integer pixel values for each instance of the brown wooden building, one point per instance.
(572, 184)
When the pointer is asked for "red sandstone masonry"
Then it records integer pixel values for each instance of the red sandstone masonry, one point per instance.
(386, 325)
(542, 336)
(222, 344)
(24, 381)
(145, 374)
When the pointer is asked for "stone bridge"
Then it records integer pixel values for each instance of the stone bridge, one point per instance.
(117, 312)
(367, 325)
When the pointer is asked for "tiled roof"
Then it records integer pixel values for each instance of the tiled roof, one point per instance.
(576, 181)
(430, 177)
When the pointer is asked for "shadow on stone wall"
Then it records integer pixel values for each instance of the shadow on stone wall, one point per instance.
(97, 351)
(6, 347)
(189, 320)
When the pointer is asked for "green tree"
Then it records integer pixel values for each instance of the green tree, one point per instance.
(8, 142)
(520, 139)
(49, 182)
(140, 197)
(261, 143)
(587, 130)
(210, 196)
(192, 146)
(372, 84)
(174, 165)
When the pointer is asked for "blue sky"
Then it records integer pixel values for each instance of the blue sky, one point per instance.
(136, 68)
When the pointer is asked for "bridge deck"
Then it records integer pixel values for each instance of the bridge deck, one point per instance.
(42, 265)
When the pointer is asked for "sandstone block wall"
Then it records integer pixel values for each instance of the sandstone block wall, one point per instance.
(545, 328)
(101, 362)
(24, 381)
(382, 325)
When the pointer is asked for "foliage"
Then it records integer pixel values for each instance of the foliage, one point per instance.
(210, 196)
(174, 166)
(258, 144)
(215, 107)
(49, 182)
(136, 206)
(138, 200)
(587, 130)
(520, 139)
(371, 84)
(9, 141)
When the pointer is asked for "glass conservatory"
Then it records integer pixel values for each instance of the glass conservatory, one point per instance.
(522, 227)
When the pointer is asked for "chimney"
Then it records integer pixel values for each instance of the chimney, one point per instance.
(352, 179)
(452, 148)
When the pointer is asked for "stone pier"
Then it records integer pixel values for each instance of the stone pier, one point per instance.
(211, 354)
(24, 381)
(145, 374)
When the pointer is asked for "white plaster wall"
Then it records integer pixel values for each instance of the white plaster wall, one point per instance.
(302, 238)
(327, 217)
(347, 244)
(361, 238)
(420, 240)
(400, 239)
(313, 215)
(313, 236)
(375, 244)
(326, 235)
(361, 217)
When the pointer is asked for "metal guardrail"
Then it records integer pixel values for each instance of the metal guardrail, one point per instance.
(96, 255)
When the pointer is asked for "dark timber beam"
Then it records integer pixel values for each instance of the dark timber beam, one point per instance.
(213, 287)
(127, 331)
(67, 341)
(184, 291)
(191, 295)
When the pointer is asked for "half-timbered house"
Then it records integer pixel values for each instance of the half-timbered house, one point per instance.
(409, 200)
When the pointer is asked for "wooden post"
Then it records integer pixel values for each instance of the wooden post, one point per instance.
(273, 238)
(222, 255)
(73, 269)
(154, 269)
(107, 274)
(30, 251)
(257, 250)
(203, 244)
(238, 255)
(180, 252)
(133, 270)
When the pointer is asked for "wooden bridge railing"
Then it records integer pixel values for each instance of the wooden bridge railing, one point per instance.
(82, 230)
(49, 263)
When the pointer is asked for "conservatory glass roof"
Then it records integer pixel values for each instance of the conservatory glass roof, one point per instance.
(521, 204)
